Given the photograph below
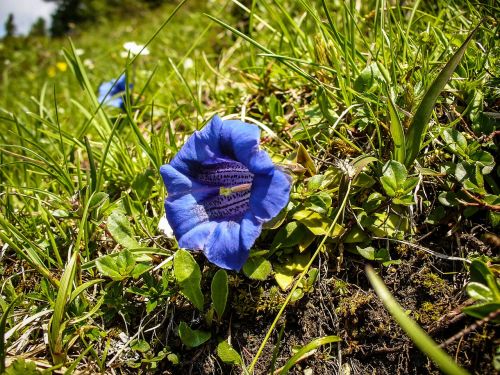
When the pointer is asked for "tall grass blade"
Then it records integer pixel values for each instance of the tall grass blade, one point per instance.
(397, 132)
(57, 325)
(3, 322)
(420, 121)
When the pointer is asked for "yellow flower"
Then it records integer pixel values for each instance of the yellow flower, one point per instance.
(51, 71)
(62, 66)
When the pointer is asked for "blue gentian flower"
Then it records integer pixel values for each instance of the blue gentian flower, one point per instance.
(112, 92)
(221, 189)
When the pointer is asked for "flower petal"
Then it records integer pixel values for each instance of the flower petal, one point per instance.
(183, 214)
(201, 146)
(270, 194)
(250, 230)
(260, 162)
(175, 182)
(239, 140)
(197, 237)
(224, 247)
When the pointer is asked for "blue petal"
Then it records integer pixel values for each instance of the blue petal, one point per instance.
(240, 140)
(194, 152)
(224, 247)
(183, 214)
(270, 194)
(120, 84)
(250, 230)
(260, 163)
(175, 182)
(197, 237)
(110, 98)
(210, 134)
(103, 90)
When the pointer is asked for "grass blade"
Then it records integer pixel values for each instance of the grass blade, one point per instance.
(397, 132)
(56, 327)
(3, 322)
(314, 344)
(420, 121)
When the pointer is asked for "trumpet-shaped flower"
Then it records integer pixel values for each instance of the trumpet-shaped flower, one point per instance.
(111, 92)
(221, 189)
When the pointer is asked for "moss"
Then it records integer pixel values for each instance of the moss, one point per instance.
(431, 282)
(430, 312)
(349, 305)
(250, 302)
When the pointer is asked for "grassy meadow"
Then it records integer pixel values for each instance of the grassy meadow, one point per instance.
(386, 258)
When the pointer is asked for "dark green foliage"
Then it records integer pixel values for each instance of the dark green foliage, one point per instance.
(38, 28)
(10, 27)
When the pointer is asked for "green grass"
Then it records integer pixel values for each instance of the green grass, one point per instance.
(339, 90)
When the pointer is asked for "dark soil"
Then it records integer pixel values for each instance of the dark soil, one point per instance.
(344, 304)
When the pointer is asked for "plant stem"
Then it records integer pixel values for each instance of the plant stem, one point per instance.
(297, 283)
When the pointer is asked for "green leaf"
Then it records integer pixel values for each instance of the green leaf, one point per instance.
(363, 180)
(316, 223)
(140, 346)
(119, 227)
(448, 199)
(117, 268)
(406, 200)
(361, 162)
(275, 109)
(22, 367)
(355, 235)
(219, 291)
(478, 291)
(369, 79)
(320, 202)
(366, 252)
(284, 274)
(139, 269)
(228, 354)
(455, 141)
(397, 132)
(485, 160)
(97, 200)
(304, 159)
(387, 225)
(257, 268)
(192, 337)
(482, 310)
(420, 121)
(373, 201)
(315, 182)
(290, 235)
(409, 184)
(188, 276)
(394, 175)
(480, 272)
(143, 183)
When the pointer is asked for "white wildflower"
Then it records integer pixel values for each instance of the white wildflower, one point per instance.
(188, 63)
(134, 49)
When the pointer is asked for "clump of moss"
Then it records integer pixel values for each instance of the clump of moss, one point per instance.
(348, 306)
(431, 282)
(430, 312)
(249, 302)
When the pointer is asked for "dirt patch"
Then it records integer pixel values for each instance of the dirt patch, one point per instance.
(344, 304)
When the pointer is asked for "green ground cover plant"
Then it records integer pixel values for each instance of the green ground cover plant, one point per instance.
(384, 115)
